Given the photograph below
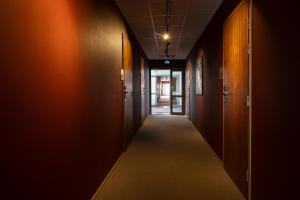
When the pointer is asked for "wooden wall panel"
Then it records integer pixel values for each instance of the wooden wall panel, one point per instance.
(128, 90)
(61, 97)
(236, 111)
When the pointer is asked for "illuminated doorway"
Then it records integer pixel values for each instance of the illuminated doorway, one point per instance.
(160, 92)
(167, 91)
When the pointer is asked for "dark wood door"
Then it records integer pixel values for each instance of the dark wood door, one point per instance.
(235, 96)
(143, 91)
(127, 61)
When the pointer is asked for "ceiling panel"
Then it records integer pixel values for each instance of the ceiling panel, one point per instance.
(179, 7)
(188, 19)
(160, 21)
(158, 8)
(129, 7)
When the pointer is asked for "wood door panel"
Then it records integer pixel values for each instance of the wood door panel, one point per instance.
(143, 115)
(236, 111)
(127, 91)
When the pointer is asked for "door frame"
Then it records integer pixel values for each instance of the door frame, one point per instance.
(127, 92)
(150, 87)
(182, 94)
(183, 89)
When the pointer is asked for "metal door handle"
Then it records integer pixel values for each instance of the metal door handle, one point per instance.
(225, 93)
(125, 90)
(225, 90)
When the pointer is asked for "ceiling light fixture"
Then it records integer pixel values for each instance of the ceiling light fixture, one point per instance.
(166, 36)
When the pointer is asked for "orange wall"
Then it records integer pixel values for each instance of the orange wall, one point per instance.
(61, 96)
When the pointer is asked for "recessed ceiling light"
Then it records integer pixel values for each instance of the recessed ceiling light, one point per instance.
(166, 36)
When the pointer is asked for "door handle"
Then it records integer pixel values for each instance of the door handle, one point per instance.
(225, 94)
(225, 91)
(125, 90)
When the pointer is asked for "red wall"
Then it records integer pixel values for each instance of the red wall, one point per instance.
(61, 97)
(275, 135)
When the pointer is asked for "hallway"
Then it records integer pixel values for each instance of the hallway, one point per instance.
(78, 92)
(168, 159)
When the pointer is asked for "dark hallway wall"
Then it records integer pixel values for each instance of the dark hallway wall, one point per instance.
(61, 96)
(206, 110)
(140, 57)
(275, 108)
(275, 130)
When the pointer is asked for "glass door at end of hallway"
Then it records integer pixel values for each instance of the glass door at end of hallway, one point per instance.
(160, 92)
(177, 92)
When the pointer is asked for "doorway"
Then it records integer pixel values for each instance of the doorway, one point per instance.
(236, 100)
(177, 92)
(160, 92)
(167, 91)
(127, 89)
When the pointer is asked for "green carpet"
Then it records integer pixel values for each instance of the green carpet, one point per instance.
(168, 160)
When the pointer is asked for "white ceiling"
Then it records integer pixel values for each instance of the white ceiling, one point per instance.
(188, 19)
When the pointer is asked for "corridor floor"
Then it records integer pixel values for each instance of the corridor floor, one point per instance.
(168, 160)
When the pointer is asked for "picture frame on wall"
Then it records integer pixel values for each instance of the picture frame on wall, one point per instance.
(199, 76)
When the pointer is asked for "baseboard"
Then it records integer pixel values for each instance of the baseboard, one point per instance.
(106, 178)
